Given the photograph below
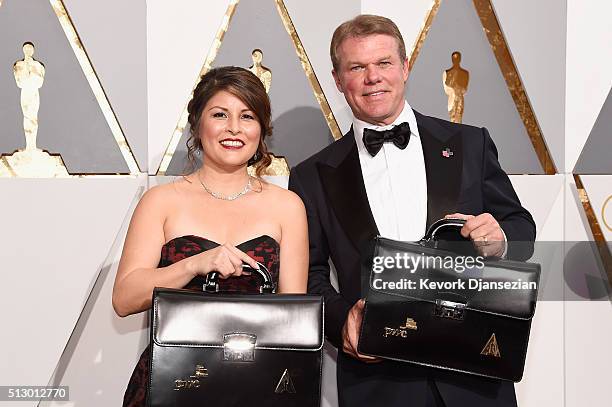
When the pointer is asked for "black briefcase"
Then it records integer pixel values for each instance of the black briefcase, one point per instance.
(473, 319)
(230, 349)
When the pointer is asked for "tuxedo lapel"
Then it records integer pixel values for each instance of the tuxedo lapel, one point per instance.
(443, 153)
(342, 182)
(344, 188)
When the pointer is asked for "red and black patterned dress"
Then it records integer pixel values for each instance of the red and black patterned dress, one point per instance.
(264, 249)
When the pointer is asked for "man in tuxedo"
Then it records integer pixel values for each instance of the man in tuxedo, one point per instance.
(394, 173)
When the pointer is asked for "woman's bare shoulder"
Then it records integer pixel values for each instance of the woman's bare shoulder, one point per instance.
(282, 199)
(166, 195)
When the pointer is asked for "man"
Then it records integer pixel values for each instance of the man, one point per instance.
(395, 183)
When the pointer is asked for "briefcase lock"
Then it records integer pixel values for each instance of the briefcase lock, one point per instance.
(239, 347)
(449, 309)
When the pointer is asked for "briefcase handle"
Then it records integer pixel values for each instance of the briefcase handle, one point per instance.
(211, 284)
(442, 225)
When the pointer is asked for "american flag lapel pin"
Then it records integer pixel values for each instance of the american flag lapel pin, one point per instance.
(447, 153)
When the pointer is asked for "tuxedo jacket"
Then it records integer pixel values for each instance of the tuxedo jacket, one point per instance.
(341, 224)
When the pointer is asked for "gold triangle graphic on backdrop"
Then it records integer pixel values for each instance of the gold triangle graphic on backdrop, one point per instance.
(495, 36)
(58, 169)
(279, 164)
(491, 348)
(600, 240)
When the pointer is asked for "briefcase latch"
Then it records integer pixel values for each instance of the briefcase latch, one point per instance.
(239, 347)
(449, 309)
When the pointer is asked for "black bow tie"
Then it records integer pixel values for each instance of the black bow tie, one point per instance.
(398, 135)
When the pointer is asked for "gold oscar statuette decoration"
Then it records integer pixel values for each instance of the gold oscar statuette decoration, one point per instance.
(279, 165)
(31, 162)
(455, 81)
(263, 73)
(497, 41)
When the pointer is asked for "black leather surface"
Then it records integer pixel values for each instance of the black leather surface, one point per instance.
(235, 383)
(510, 303)
(188, 331)
(183, 317)
(448, 343)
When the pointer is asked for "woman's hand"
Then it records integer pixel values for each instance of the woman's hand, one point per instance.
(225, 259)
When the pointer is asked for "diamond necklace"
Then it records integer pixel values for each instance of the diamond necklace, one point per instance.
(233, 197)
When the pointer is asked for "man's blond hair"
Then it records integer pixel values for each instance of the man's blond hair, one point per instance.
(361, 26)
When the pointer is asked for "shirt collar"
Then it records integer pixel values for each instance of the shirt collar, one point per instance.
(406, 115)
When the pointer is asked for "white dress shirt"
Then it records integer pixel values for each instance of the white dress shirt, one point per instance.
(395, 181)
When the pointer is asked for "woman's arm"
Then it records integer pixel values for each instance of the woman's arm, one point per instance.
(294, 244)
(138, 274)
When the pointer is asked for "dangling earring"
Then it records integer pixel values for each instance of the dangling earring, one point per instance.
(256, 157)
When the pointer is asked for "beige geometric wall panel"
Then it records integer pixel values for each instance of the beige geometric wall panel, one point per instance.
(589, 71)
(595, 156)
(306, 15)
(302, 120)
(56, 236)
(538, 50)
(496, 97)
(588, 335)
(599, 190)
(585, 263)
(542, 383)
(102, 344)
(596, 209)
(180, 134)
(409, 16)
(122, 68)
(66, 112)
(179, 36)
(553, 229)
(576, 223)
(545, 206)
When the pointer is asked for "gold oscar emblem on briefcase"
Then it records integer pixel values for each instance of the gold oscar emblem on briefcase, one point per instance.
(193, 382)
(401, 331)
(285, 384)
(491, 348)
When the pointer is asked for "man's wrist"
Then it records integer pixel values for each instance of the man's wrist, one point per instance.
(505, 244)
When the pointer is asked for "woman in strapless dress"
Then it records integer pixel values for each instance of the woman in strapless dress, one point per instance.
(217, 217)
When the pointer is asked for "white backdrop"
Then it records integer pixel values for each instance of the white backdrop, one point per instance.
(62, 239)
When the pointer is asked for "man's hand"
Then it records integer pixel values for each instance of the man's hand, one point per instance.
(484, 231)
(350, 333)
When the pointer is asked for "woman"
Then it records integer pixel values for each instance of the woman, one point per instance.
(218, 217)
